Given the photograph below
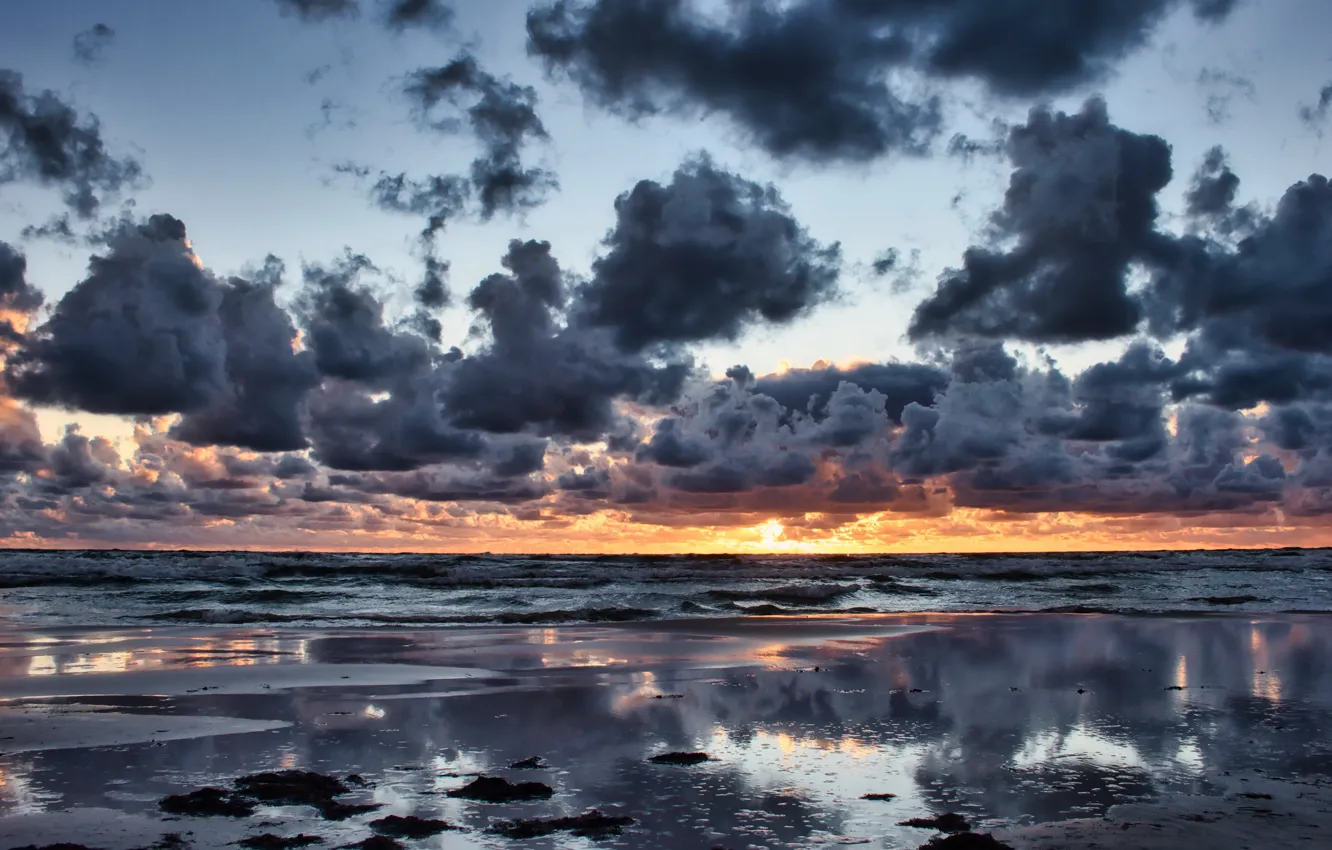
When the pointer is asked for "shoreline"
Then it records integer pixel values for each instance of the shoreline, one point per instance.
(1035, 727)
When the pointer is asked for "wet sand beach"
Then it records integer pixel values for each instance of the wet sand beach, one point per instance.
(1047, 731)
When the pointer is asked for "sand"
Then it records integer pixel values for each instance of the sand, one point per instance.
(1047, 731)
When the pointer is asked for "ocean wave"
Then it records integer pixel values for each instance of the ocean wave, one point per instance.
(787, 593)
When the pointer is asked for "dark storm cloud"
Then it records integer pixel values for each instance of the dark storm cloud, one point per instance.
(806, 83)
(91, 44)
(48, 143)
(345, 323)
(1273, 287)
(16, 294)
(1315, 116)
(1079, 214)
(821, 79)
(536, 373)
(149, 331)
(315, 11)
(703, 258)
(265, 381)
(502, 115)
(808, 390)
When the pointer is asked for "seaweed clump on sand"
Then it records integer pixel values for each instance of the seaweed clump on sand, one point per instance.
(947, 822)
(494, 789)
(681, 758)
(590, 824)
(965, 841)
(208, 802)
(277, 788)
(269, 841)
(410, 826)
(302, 788)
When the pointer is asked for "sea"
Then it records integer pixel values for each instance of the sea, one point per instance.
(124, 589)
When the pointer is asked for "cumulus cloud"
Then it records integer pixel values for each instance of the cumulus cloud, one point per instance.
(702, 258)
(1079, 214)
(829, 80)
(48, 143)
(150, 332)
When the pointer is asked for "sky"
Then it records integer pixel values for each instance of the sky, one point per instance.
(574, 276)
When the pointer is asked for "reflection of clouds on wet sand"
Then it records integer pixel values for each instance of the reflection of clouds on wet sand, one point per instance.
(1005, 718)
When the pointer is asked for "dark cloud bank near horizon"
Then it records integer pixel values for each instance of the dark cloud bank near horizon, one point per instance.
(1077, 251)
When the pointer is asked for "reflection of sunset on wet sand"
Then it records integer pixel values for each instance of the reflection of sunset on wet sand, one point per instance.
(1011, 720)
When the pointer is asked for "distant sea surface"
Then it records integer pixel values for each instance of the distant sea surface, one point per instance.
(125, 589)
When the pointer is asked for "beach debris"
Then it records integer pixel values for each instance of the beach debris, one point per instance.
(302, 788)
(208, 802)
(965, 841)
(883, 797)
(916, 691)
(590, 824)
(269, 841)
(680, 758)
(376, 842)
(533, 763)
(1174, 687)
(277, 788)
(495, 789)
(669, 696)
(291, 787)
(946, 822)
(410, 826)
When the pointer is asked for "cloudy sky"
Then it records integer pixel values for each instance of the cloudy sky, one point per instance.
(666, 275)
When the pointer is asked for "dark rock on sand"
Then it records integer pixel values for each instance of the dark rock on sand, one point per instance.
(356, 780)
(208, 802)
(410, 826)
(269, 841)
(534, 763)
(947, 822)
(494, 789)
(680, 758)
(884, 797)
(590, 824)
(965, 841)
(376, 842)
